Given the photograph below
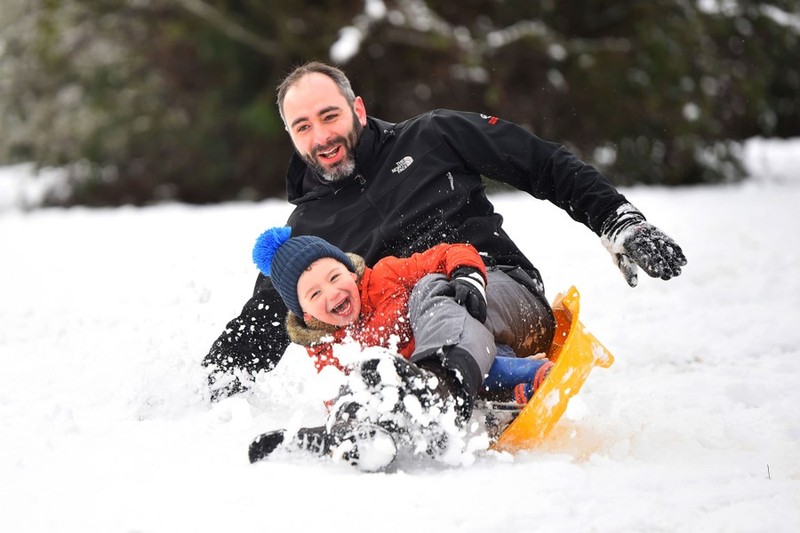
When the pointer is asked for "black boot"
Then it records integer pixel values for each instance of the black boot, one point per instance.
(357, 440)
(430, 381)
(367, 446)
(430, 388)
(312, 439)
(451, 389)
(458, 371)
(431, 405)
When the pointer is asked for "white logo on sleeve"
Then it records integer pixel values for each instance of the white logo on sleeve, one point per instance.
(402, 164)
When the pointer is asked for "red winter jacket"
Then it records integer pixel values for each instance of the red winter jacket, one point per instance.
(385, 290)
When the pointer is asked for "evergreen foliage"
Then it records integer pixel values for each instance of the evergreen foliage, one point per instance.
(154, 100)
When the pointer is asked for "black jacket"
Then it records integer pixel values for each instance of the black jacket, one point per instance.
(417, 183)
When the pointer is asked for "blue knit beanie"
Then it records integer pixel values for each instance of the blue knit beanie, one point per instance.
(284, 258)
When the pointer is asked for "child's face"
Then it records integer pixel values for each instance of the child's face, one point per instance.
(327, 291)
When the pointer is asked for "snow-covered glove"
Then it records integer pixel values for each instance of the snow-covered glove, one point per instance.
(469, 289)
(633, 242)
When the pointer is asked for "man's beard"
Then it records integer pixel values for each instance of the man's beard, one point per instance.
(345, 168)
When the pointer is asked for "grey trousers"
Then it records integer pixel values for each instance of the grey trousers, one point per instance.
(515, 317)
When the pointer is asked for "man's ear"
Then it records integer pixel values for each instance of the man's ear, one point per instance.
(361, 110)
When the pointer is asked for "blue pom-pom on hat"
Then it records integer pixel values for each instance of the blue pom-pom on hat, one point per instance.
(284, 259)
(266, 246)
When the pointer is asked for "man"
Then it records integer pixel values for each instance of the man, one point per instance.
(378, 189)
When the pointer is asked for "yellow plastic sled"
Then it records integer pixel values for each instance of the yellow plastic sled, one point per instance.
(575, 352)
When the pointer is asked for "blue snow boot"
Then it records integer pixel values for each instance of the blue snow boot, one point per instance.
(515, 379)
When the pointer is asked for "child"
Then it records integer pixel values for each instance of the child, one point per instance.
(432, 308)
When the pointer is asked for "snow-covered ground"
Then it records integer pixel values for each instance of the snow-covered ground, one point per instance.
(105, 425)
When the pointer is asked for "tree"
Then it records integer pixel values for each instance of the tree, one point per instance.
(152, 100)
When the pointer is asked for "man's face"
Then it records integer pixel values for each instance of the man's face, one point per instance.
(323, 127)
(327, 291)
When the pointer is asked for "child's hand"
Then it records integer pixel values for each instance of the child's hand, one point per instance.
(469, 291)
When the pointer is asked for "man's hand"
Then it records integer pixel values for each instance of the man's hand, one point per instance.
(633, 242)
(469, 289)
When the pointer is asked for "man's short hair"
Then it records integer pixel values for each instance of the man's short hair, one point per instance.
(337, 75)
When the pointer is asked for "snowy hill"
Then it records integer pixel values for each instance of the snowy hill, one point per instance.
(106, 426)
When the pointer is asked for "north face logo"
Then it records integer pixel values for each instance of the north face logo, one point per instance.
(402, 164)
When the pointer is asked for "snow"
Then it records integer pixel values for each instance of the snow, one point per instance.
(106, 426)
(347, 45)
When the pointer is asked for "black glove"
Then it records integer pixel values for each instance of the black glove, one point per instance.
(469, 290)
(633, 242)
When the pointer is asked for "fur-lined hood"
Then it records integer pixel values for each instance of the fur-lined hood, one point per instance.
(315, 331)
